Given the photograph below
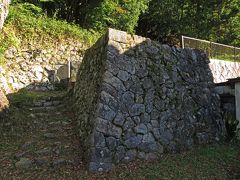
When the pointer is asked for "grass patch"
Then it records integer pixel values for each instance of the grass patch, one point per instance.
(25, 97)
(210, 162)
(226, 57)
(207, 162)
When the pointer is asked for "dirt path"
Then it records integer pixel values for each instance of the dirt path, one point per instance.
(38, 140)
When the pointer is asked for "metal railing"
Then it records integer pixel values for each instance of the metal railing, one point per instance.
(214, 50)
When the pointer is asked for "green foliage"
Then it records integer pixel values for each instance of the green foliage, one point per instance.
(7, 40)
(119, 14)
(71, 11)
(97, 14)
(165, 21)
(231, 125)
(31, 22)
(217, 21)
(226, 21)
(238, 134)
(26, 23)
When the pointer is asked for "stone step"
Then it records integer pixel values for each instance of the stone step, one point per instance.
(44, 152)
(51, 147)
(59, 123)
(43, 103)
(28, 163)
(51, 98)
(48, 108)
(24, 163)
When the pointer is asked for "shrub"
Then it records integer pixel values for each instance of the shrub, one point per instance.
(119, 14)
(27, 23)
(231, 125)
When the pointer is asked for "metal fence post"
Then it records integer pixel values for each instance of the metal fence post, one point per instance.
(183, 42)
(235, 57)
(210, 50)
(69, 70)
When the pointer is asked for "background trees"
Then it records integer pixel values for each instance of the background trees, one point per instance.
(120, 14)
(214, 20)
(162, 20)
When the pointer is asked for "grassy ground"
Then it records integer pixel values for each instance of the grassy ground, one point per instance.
(209, 162)
(24, 97)
(218, 161)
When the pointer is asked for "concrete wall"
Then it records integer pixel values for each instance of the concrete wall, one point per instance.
(224, 70)
(237, 100)
(135, 98)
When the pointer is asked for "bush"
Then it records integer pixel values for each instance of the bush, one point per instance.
(238, 134)
(119, 14)
(231, 125)
(27, 23)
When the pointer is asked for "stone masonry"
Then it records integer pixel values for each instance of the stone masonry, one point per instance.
(34, 67)
(136, 98)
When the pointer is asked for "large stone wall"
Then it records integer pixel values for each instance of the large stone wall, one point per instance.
(34, 67)
(224, 70)
(4, 5)
(136, 98)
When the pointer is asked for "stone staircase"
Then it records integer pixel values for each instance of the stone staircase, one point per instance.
(49, 103)
(53, 144)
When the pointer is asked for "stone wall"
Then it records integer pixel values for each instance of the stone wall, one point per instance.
(34, 67)
(224, 70)
(136, 98)
(4, 5)
(87, 92)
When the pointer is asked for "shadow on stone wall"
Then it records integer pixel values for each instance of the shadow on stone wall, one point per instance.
(135, 98)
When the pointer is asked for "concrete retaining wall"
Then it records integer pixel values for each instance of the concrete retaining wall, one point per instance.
(224, 70)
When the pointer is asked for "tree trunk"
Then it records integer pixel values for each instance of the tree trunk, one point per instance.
(3, 102)
(4, 4)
